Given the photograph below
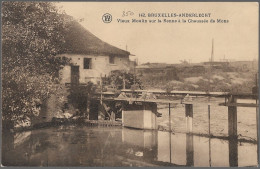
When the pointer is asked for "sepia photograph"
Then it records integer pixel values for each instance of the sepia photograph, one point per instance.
(130, 84)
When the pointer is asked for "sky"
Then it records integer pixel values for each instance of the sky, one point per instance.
(174, 42)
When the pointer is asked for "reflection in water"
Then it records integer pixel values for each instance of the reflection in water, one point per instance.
(233, 153)
(189, 150)
(96, 146)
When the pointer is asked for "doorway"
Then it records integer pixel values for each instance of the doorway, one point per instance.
(74, 74)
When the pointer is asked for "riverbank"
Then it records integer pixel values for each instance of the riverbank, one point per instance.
(60, 122)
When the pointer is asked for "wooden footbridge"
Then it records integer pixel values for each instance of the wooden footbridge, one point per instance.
(144, 97)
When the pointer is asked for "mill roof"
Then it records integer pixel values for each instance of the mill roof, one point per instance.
(81, 41)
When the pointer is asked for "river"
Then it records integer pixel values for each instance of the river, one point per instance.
(117, 146)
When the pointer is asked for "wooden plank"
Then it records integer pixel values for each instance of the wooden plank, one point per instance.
(239, 104)
(148, 100)
(195, 93)
(105, 93)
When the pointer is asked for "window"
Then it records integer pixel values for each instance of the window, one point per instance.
(87, 63)
(112, 59)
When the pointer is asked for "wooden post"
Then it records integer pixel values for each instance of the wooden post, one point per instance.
(134, 71)
(170, 125)
(101, 94)
(209, 136)
(189, 150)
(170, 142)
(123, 81)
(189, 137)
(170, 133)
(209, 118)
(257, 130)
(257, 116)
(209, 151)
(189, 117)
(88, 103)
(232, 118)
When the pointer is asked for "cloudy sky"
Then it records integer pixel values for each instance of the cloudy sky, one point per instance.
(172, 42)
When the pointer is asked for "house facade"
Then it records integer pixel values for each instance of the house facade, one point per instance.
(91, 58)
(85, 68)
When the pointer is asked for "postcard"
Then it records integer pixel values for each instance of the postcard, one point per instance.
(130, 84)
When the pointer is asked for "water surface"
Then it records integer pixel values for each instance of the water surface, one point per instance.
(116, 146)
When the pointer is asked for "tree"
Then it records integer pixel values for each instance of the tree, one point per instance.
(32, 34)
(117, 79)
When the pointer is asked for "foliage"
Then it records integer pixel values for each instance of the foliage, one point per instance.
(32, 34)
(117, 78)
(79, 95)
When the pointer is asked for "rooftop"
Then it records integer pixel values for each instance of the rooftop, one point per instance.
(79, 40)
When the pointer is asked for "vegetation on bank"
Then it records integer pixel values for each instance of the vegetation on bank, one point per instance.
(122, 79)
(193, 79)
(32, 34)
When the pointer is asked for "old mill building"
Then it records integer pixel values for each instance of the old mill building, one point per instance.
(91, 58)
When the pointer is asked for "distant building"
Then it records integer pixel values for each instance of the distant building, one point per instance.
(90, 57)
(234, 65)
(245, 65)
(216, 64)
